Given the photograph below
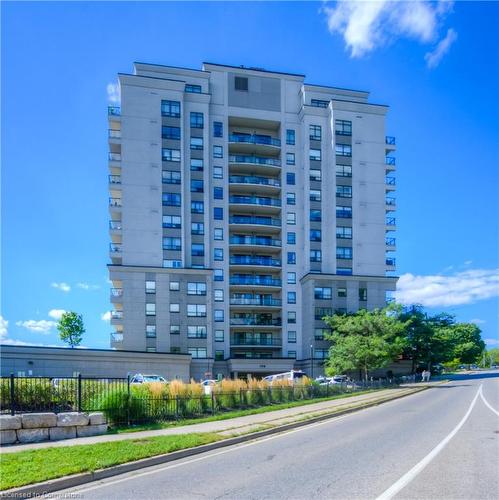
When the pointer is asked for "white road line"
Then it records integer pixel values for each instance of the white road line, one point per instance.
(487, 403)
(413, 473)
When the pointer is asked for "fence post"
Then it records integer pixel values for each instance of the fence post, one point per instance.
(12, 395)
(79, 392)
(128, 400)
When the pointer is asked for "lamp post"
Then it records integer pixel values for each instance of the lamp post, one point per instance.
(312, 361)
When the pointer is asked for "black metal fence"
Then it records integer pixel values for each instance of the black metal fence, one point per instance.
(127, 404)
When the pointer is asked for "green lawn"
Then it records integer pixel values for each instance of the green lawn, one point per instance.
(28, 467)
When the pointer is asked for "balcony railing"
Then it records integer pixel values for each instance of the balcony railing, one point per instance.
(390, 261)
(116, 338)
(114, 156)
(390, 201)
(255, 280)
(255, 321)
(255, 139)
(256, 160)
(389, 160)
(116, 314)
(115, 202)
(390, 140)
(258, 221)
(390, 181)
(390, 242)
(115, 224)
(114, 134)
(115, 248)
(255, 200)
(115, 179)
(255, 342)
(254, 240)
(344, 214)
(255, 260)
(249, 179)
(117, 292)
(265, 301)
(114, 110)
(390, 221)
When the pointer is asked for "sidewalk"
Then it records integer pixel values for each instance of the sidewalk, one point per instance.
(239, 425)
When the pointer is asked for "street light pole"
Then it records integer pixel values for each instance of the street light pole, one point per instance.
(312, 361)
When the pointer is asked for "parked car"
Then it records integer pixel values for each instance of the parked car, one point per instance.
(140, 378)
(292, 376)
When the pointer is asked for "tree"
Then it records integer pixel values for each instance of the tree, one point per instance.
(493, 355)
(365, 340)
(71, 328)
(466, 341)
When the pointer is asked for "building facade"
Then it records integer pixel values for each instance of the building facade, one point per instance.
(245, 205)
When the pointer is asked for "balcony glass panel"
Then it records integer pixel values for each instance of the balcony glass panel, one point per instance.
(255, 260)
(259, 160)
(114, 110)
(115, 179)
(255, 240)
(255, 139)
(255, 280)
(260, 221)
(249, 179)
(255, 200)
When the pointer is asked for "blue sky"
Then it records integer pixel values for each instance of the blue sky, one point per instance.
(435, 64)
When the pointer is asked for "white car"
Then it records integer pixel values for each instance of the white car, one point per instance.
(140, 378)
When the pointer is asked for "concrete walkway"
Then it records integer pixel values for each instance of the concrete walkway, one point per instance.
(239, 425)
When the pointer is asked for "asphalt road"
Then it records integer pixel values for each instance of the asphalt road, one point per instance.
(442, 443)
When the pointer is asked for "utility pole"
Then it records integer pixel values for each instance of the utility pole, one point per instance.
(312, 361)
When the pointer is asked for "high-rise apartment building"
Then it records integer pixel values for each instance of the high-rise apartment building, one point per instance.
(245, 205)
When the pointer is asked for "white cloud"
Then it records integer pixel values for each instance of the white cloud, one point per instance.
(477, 321)
(106, 316)
(368, 25)
(461, 288)
(39, 326)
(468, 262)
(63, 287)
(5, 340)
(87, 286)
(4, 327)
(492, 342)
(434, 57)
(114, 93)
(56, 313)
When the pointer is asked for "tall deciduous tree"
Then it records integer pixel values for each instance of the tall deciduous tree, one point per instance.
(364, 341)
(71, 328)
(466, 341)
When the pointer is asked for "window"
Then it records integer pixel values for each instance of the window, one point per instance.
(315, 235)
(315, 154)
(218, 129)
(150, 349)
(197, 207)
(344, 232)
(219, 355)
(290, 158)
(290, 137)
(315, 132)
(319, 103)
(291, 198)
(241, 83)
(315, 175)
(196, 288)
(291, 278)
(343, 212)
(174, 308)
(218, 254)
(218, 193)
(197, 228)
(343, 127)
(362, 293)
(150, 331)
(218, 295)
(197, 165)
(169, 154)
(196, 310)
(197, 186)
(170, 108)
(174, 349)
(320, 354)
(315, 256)
(344, 170)
(197, 143)
(172, 199)
(218, 152)
(174, 286)
(343, 191)
(197, 250)
(219, 335)
(292, 354)
(219, 315)
(291, 317)
(172, 263)
(291, 257)
(323, 293)
(218, 213)
(150, 287)
(171, 177)
(344, 271)
(196, 332)
(197, 120)
(291, 297)
(320, 333)
(315, 215)
(291, 238)
(315, 195)
(291, 218)
(218, 172)
(150, 309)
(320, 312)
(218, 275)
(290, 179)
(292, 337)
(343, 252)
(174, 329)
(172, 243)
(170, 133)
(218, 234)
(343, 149)
(172, 221)
(197, 352)
(194, 89)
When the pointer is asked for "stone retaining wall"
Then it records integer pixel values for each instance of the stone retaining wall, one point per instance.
(35, 427)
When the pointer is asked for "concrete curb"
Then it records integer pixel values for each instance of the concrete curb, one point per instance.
(38, 489)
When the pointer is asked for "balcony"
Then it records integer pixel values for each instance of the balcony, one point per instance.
(115, 227)
(391, 224)
(256, 302)
(390, 143)
(257, 223)
(390, 243)
(114, 111)
(255, 164)
(390, 262)
(256, 143)
(244, 261)
(254, 242)
(116, 314)
(390, 183)
(115, 206)
(258, 203)
(390, 163)
(116, 340)
(116, 295)
(115, 248)
(260, 282)
(255, 183)
(256, 321)
(390, 204)
(255, 342)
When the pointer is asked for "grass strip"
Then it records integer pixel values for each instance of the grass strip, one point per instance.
(34, 466)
